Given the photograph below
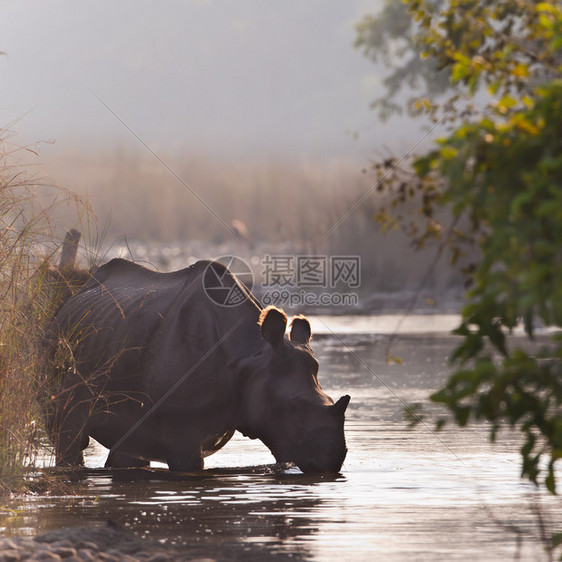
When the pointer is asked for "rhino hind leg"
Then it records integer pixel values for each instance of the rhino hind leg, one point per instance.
(120, 460)
(69, 459)
(67, 424)
(69, 447)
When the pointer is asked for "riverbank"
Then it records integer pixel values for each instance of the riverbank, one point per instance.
(73, 544)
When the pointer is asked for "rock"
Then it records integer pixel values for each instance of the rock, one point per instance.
(86, 545)
(64, 551)
(45, 554)
(106, 556)
(160, 557)
(9, 555)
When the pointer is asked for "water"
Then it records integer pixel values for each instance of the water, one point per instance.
(402, 494)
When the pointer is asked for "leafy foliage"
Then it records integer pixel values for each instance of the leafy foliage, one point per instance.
(500, 174)
(507, 174)
(389, 38)
(455, 47)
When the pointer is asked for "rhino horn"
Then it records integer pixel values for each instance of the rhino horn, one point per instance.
(340, 406)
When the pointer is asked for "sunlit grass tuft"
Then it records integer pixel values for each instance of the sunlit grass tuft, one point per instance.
(30, 289)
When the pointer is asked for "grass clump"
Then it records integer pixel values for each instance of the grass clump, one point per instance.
(29, 291)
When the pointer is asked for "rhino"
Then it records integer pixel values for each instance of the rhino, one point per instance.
(156, 368)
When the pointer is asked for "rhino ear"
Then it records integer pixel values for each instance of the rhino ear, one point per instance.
(273, 323)
(300, 330)
(340, 406)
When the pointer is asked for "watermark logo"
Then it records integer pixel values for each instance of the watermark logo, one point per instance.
(298, 280)
(346, 270)
(219, 285)
(286, 280)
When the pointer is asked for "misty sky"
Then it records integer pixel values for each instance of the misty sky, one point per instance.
(215, 76)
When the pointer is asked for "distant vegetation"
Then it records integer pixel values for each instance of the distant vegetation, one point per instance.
(285, 205)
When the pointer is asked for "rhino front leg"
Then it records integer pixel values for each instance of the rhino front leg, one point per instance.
(181, 438)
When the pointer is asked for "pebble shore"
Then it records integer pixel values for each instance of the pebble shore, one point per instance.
(84, 544)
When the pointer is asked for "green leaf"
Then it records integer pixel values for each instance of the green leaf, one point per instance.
(556, 539)
(550, 482)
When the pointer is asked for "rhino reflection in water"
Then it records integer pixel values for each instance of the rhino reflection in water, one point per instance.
(152, 368)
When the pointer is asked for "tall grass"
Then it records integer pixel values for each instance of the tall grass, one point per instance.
(28, 296)
(277, 199)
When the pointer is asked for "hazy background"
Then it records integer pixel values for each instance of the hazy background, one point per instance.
(233, 79)
(261, 110)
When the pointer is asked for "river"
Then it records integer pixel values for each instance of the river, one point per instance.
(402, 494)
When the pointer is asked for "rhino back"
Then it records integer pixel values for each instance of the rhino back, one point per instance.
(118, 308)
(146, 330)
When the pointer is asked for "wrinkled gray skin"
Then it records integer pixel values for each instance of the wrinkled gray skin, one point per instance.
(153, 369)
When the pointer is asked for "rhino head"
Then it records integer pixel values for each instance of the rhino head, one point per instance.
(282, 402)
